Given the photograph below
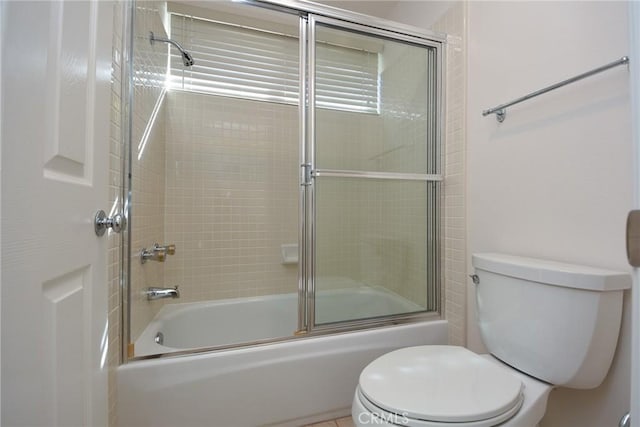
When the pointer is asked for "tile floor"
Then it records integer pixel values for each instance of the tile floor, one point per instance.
(340, 422)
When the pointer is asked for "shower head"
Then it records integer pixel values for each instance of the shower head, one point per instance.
(187, 59)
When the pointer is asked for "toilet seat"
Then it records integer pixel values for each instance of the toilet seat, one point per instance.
(440, 384)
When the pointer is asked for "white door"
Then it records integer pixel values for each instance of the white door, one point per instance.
(56, 66)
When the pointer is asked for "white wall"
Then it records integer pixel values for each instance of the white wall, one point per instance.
(421, 14)
(379, 8)
(555, 179)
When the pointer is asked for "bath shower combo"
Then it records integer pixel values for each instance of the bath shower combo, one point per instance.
(297, 129)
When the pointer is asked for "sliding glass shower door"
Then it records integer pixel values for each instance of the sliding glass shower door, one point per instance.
(295, 152)
(374, 174)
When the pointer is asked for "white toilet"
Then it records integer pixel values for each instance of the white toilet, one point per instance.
(545, 323)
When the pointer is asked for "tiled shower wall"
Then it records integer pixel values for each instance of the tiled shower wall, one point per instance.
(148, 161)
(374, 231)
(232, 199)
(231, 195)
(149, 61)
(348, 210)
(453, 23)
(407, 137)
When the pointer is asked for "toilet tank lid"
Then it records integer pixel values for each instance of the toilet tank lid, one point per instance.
(552, 272)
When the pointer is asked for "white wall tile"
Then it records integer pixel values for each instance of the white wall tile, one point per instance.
(231, 196)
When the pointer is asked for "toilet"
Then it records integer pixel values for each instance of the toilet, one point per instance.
(546, 324)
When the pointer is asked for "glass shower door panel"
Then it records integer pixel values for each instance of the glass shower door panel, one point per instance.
(375, 108)
(216, 173)
(375, 167)
(374, 248)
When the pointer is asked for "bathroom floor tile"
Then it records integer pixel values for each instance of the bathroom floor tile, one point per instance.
(345, 422)
(323, 424)
(339, 422)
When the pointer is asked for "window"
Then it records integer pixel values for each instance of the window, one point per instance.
(231, 60)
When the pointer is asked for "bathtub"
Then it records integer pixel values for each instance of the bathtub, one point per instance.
(196, 325)
(288, 383)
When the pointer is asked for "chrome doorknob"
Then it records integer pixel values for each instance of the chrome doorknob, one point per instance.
(117, 223)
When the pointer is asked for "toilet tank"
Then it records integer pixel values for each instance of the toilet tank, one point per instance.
(556, 322)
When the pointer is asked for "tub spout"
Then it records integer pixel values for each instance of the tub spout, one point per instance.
(158, 293)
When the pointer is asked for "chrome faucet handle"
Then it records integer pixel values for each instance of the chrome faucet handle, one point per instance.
(157, 253)
(168, 249)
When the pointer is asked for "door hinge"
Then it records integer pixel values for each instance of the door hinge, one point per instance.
(625, 421)
(633, 238)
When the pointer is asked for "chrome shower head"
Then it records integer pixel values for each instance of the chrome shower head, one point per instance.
(187, 59)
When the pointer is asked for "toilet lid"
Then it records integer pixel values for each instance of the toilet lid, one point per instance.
(440, 383)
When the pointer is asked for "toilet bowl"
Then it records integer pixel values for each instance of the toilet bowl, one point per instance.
(446, 386)
(520, 303)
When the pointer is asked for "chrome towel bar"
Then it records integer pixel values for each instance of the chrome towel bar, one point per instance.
(501, 110)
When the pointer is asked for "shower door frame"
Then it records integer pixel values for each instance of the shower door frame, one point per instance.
(306, 286)
(307, 106)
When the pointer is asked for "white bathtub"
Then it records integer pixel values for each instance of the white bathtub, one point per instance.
(242, 320)
(288, 383)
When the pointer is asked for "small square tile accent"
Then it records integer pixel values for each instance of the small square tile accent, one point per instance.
(454, 201)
